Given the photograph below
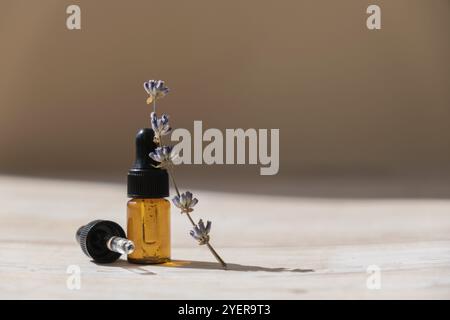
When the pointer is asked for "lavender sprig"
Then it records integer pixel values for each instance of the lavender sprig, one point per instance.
(164, 155)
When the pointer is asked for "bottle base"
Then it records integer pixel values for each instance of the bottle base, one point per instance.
(149, 260)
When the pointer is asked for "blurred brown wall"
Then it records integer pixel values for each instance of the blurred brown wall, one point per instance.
(346, 99)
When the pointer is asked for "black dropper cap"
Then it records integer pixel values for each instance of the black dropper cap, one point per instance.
(144, 180)
(93, 239)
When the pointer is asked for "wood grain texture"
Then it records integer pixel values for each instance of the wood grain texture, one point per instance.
(277, 247)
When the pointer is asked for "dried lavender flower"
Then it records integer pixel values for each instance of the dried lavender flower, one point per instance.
(156, 89)
(201, 232)
(164, 156)
(160, 126)
(185, 202)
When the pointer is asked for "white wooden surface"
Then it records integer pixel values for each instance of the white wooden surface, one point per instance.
(277, 247)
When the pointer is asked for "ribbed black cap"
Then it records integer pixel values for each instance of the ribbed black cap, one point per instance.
(93, 239)
(144, 180)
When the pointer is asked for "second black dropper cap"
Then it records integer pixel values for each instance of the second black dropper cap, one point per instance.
(144, 180)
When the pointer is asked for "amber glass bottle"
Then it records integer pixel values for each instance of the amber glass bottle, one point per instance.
(148, 213)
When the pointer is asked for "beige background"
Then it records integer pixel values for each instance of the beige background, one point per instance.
(348, 101)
